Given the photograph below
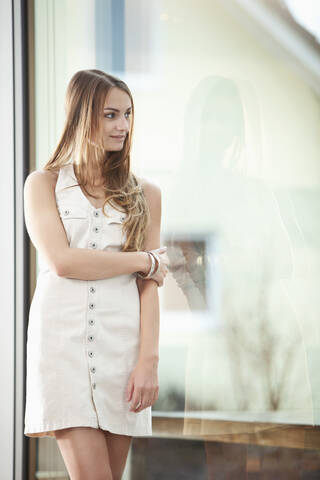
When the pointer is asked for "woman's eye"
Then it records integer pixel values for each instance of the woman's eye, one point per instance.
(128, 113)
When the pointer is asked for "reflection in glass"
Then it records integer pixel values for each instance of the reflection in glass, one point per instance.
(239, 309)
(246, 369)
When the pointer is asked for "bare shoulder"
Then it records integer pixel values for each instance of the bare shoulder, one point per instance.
(41, 177)
(152, 192)
(39, 189)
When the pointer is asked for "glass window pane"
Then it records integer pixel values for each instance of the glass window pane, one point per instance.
(226, 123)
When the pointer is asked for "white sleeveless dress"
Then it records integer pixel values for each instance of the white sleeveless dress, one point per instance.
(83, 336)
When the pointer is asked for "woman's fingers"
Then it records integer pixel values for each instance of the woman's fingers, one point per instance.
(136, 399)
(130, 389)
(143, 398)
(147, 400)
(142, 406)
(158, 278)
(155, 395)
(160, 275)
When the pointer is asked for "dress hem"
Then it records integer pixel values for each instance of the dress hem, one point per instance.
(48, 430)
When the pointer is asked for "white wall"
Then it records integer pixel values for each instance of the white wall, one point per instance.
(7, 244)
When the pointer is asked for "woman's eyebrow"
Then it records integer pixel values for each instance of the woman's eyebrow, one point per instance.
(115, 109)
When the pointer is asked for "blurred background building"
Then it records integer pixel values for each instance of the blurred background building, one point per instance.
(227, 119)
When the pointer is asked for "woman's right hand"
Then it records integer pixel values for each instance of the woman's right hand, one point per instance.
(163, 269)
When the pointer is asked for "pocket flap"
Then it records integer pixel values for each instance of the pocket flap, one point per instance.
(71, 211)
(116, 217)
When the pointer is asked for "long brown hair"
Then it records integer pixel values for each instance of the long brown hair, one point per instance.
(81, 139)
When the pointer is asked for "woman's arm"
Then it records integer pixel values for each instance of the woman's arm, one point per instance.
(148, 289)
(143, 385)
(47, 234)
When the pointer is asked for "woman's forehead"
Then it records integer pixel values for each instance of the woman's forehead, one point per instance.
(117, 99)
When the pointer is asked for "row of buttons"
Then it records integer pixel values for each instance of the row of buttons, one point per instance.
(93, 244)
(92, 290)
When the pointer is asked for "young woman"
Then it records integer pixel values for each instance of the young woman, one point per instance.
(92, 346)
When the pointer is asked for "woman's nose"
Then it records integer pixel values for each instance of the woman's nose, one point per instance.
(122, 124)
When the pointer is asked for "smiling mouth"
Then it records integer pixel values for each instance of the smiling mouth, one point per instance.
(120, 137)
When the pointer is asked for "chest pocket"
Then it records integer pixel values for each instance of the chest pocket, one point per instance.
(114, 234)
(75, 221)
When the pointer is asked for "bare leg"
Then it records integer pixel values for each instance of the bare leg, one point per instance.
(118, 448)
(85, 453)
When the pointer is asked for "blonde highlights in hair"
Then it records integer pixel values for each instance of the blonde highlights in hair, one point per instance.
(82, 140)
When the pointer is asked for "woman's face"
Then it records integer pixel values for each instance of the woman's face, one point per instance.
(116, 119)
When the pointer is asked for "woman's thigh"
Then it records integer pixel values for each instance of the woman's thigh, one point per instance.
(118, 448)
(85, 453)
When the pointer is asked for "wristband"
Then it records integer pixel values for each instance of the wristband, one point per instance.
(157, 259)
(152, 268)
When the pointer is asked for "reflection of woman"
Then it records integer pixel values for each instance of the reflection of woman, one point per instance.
(223, 172)
(91, 369)
(188, 271)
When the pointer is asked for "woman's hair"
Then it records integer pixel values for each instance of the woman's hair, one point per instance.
(82, 140)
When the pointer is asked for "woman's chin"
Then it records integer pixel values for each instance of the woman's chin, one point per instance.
(113, 148)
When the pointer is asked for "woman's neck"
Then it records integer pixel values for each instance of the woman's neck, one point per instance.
(98, 180)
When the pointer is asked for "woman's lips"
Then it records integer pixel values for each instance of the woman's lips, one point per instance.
(118, 138)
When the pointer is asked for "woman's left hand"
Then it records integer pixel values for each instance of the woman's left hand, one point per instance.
(143, 386)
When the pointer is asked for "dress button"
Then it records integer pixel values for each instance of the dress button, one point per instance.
(93, 245)
(93, 369)
(90, 354)
(92, 289)
(96, 213)
(91, 321)
(91, 306)
(90, 338)
(96, 229)
(66, 212)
